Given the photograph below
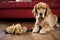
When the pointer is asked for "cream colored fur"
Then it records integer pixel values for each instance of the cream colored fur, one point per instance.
(16, 29)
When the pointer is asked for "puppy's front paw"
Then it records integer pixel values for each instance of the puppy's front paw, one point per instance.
(35, 29)
(42, 31)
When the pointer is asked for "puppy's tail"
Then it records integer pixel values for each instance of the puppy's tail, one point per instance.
(57, 25)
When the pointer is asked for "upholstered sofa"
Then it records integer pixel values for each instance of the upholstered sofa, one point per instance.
(24, 9)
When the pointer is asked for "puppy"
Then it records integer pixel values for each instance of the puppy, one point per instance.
(44, 18)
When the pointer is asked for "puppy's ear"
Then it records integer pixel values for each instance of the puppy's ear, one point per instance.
(48, 10)
(34, 11)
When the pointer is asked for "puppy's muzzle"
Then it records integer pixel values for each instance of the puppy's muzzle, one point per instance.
(40, 14)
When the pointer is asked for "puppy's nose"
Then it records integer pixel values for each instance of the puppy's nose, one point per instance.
(40, 14)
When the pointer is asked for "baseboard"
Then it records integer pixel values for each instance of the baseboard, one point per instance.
(20, 19)
(58, 19)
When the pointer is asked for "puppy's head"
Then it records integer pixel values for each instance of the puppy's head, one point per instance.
(41, 9)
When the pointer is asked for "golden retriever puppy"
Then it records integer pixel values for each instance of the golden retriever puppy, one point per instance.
(44, 18)
(16, 29)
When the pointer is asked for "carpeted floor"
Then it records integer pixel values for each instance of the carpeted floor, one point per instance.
(53, 35)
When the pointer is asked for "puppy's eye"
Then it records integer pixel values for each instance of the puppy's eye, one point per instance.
(38, 8)
(43, 8)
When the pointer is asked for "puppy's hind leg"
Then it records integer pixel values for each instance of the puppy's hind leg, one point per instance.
(46, 28)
